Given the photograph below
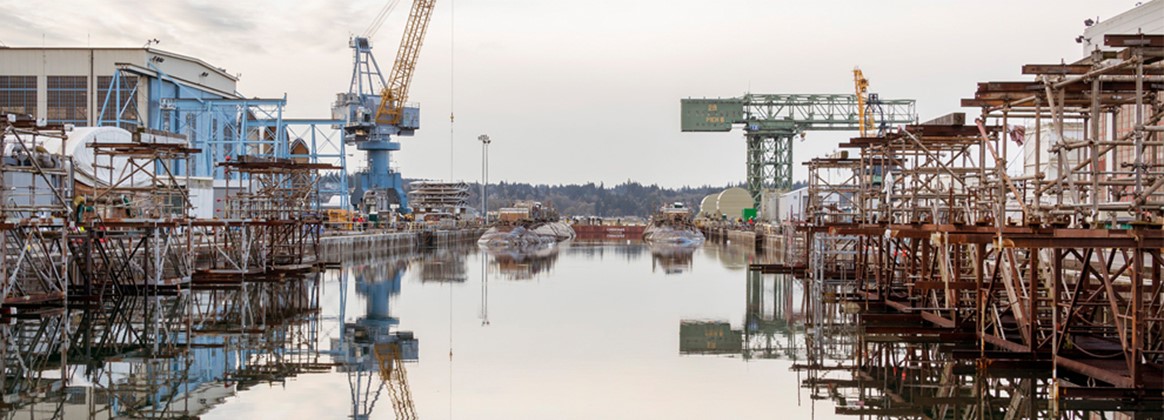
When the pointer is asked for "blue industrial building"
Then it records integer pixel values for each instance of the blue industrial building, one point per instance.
(155, 89)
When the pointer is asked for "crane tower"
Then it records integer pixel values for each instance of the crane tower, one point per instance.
(375, 109)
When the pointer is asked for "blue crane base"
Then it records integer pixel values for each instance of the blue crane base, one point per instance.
(380, 176)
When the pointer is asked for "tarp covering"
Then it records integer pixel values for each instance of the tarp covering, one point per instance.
(101, 171)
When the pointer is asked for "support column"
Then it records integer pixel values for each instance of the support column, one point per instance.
(769, 163)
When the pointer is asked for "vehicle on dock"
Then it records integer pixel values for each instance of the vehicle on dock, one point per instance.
(672, 225)
(526, 225)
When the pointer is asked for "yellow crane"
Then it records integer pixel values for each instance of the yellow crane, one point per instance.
(392, 372)
(863, 114)
(395, 93)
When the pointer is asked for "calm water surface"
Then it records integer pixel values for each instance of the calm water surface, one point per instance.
(588, 331)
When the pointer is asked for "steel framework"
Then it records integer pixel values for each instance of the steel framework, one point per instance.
(35, 186)
(122, 256)
(1057, 269)
(772, 121)
(222, 127)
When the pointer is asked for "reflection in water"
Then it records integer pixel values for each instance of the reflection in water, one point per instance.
(446, 264)
(30, 342)
(597, 249)
(166, 353)
(672, 259)
(889, 368)
(211, 351)
(181, 353)
(897, 377)
(484, 313)
(731, 256)
(526, 263)
(773, 327)
(369, 350)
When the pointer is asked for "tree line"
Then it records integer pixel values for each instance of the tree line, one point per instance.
(625, 199)
(628, 198)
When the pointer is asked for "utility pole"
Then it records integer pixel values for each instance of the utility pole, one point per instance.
(484, 138)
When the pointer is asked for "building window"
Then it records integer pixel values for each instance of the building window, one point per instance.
(68, 100)
(123, 101)
(18, 95)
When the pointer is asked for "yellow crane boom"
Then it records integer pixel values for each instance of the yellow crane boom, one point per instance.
(862, 85)
(395, 92)
(392, 372)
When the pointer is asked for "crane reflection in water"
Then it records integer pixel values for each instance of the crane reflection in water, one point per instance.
(371, 350)
(773, 325)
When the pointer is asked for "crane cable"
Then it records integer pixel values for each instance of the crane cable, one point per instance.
(452, 135)
(452, 80)
(378, 21)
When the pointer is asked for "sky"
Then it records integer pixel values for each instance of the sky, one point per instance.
(588, 91)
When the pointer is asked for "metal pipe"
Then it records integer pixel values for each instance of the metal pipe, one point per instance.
(1130, 78)
(1138, 137)
(1094, 122)
(1080, 144)
(1152, 120)
(1091, 74)
(1001, 169)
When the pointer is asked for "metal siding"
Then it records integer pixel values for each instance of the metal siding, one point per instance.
(1147, 18)
(191, 71)
(410, 118)
(102, 62)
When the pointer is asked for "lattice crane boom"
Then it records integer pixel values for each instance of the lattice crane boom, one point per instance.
(864, 118)
(395, 93)
(392, 372)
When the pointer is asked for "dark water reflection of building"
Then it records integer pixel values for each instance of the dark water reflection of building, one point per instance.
(671, 259)
(731, 256)
(880, 371)
(772, 328)
(527, 263)
(174, 354)
(897, 377)
(447, 264)
(628, 250)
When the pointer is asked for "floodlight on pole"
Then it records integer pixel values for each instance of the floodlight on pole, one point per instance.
(485, 140)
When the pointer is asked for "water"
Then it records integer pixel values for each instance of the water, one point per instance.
(591, 331)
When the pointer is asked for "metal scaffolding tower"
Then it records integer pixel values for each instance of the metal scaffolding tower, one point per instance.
(1051, 280)
(224, 127)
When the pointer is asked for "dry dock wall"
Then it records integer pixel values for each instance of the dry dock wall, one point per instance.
(333, 247)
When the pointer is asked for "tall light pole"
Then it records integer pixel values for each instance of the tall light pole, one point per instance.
(484, 138)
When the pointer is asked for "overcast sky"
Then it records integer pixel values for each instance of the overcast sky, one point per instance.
(578, 91)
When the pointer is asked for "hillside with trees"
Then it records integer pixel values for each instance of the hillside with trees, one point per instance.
(626, 199)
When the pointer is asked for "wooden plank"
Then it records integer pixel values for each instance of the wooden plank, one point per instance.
(953, 118)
